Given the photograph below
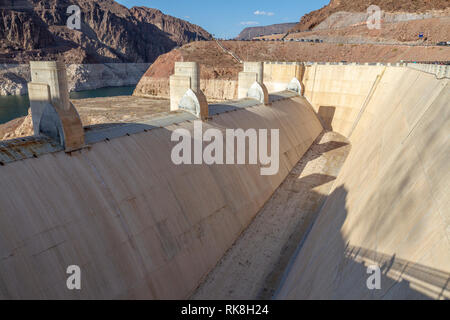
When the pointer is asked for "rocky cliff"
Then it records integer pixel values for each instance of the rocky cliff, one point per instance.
(14, 78)
(92, 76)
(251, 32)
(314, 18)
(110, 32)
(178, 30)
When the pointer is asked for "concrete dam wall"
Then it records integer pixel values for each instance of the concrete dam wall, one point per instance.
(140, 226)
(389, 204)
(136, 224)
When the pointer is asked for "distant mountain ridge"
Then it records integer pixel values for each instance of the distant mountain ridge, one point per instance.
(251, 32)
(110, 32)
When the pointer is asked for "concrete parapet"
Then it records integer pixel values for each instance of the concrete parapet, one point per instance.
(40, 97)
(196, 103)
(52, 112)
(256, 67)
(54, 74)
(185, 92)
(245, 81)
(178, 87)
(297, 86)
(191, 70)
(259, 92)
(251, 82)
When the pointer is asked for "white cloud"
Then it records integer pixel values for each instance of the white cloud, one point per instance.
(263, 13)
(249, 23)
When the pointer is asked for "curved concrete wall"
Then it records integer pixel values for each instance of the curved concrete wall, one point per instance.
(389, 205)
(137, 225)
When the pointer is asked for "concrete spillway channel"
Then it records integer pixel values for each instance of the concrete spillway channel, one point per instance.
(253, 267)
(362, 183)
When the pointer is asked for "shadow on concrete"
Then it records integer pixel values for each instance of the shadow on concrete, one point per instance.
(326, 115)
(312, 181)
(215, 109)
(308, 194)
(433, 281)
(336, 270)
(108, 131)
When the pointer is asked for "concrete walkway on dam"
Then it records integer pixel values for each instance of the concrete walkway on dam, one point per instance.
(253, 267)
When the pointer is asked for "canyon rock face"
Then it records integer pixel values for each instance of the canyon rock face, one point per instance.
(93, 76)
(20, 127)
(110, 32)
(252, 32)
(314, 18)
(14, 78)
(179, 31)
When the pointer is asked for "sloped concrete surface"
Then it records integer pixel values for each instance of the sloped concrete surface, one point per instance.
(136, 224)
(253, 267)
(389, 205)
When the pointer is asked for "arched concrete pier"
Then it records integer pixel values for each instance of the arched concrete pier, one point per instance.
(52, 112)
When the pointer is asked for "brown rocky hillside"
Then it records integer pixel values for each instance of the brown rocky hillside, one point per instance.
(220, 68)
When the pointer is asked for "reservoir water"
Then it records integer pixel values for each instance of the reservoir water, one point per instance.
(12, 107)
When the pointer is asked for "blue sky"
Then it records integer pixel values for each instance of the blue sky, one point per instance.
(225, 19)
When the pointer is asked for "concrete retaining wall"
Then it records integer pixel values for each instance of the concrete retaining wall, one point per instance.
(214, 89)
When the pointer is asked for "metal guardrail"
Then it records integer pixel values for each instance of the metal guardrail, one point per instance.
(441, 71)
(229, 52)
(343, 63)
